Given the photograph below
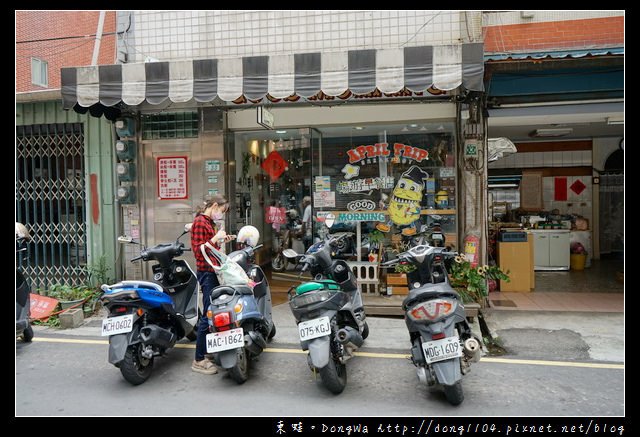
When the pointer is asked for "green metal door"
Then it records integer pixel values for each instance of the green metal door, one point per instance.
(50, 201)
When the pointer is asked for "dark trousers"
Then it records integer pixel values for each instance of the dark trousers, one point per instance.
(208, 281)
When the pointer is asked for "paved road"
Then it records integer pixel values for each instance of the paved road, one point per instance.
(65, 373)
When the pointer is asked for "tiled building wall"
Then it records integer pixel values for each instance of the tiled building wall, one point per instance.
(530, 31)
(164, 35)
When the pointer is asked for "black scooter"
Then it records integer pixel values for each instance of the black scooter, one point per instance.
(240, 319)
(147, 318)
(329, 312)
(23, 304)
(442, 344)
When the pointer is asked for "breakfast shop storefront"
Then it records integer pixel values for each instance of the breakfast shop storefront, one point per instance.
(373, 137)
(386, 184)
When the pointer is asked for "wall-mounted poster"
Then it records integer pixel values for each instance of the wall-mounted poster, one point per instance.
(172, 178)
(531, 190)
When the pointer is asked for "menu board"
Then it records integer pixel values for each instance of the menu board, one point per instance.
(172, 178)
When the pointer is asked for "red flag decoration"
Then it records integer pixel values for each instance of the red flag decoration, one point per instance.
(578, 187)
(274, 165)
(41, 306)
(560, 189)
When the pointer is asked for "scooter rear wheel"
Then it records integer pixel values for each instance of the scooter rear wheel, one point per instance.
(334, 374)
(454, 393)
(135, 368)
(27, 334)
(240, 372)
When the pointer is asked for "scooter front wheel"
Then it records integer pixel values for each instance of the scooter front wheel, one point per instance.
(135, 368)
(240, 372)
(278, 263)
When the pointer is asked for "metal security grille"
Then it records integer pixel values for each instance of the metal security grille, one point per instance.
(50, 201)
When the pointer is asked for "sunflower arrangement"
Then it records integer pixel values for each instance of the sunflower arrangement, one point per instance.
(472, 282)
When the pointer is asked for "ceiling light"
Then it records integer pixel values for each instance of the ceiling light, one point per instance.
(559, 132)
(615, 120)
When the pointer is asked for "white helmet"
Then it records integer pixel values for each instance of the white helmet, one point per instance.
(22, 232)
(248, 235)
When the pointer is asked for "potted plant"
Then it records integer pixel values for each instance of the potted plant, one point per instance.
(375, 238)
(67, 295)
(472, 282)
(397, 282)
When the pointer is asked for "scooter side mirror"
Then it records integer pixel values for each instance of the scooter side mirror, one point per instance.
(125, 239)
(290, 253)
(187, 227)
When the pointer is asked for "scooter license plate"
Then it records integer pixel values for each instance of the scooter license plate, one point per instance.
(443, 349)
(225, 340)
(117, 325)
(314, 328)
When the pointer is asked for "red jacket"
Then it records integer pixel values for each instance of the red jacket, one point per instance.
(202, 230)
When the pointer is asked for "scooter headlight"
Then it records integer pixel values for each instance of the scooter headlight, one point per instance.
(432, 310)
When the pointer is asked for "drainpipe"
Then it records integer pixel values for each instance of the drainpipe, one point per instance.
(96, 45)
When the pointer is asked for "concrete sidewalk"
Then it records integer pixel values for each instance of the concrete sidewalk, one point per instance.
(560, 335)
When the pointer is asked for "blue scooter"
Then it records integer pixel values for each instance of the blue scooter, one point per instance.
(240, 319)
(147, 318)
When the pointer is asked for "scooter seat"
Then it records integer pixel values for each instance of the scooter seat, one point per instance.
(225, 289)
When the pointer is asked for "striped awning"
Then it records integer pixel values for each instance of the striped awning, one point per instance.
(359, 72)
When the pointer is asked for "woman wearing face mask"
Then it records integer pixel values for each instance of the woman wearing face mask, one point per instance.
(203, 230)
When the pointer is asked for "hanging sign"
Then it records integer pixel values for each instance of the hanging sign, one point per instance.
(276, 215)
(172, 178)
(265, 118)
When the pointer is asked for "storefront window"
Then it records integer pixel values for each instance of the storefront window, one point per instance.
(391, 185)
(271, 179)
(396, 183)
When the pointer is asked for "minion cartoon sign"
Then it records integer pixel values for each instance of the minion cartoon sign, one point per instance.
(404, 203)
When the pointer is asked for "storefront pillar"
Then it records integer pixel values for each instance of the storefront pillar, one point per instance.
(472, 143)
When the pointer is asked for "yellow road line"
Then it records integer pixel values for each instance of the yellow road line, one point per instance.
(377, 355)
(70, 340)
(553, 363)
